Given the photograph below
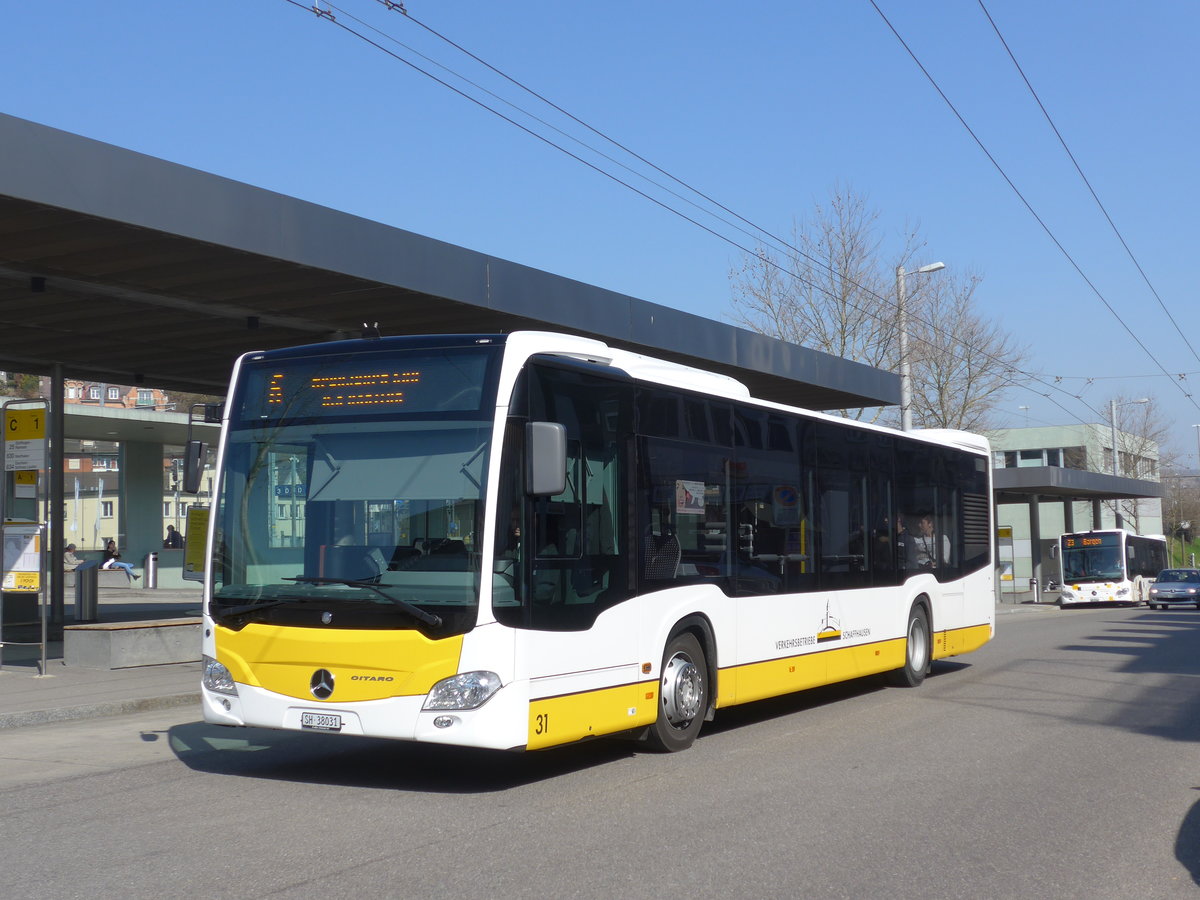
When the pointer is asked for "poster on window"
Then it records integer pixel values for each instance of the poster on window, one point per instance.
(689, 498)
(785, 505)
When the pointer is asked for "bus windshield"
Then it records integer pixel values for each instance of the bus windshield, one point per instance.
(354, 513)
(1100, 560)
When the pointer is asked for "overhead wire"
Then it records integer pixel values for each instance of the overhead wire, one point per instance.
(782, 243)
(1091, 190)
(392, 5)
(398, 7)
(1028, 206)
(327, 14)
(1009, 379)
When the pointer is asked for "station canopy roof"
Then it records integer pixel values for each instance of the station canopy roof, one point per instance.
(1019, 485)
(128, 269)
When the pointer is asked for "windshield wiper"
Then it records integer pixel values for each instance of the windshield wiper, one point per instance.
(415, 611)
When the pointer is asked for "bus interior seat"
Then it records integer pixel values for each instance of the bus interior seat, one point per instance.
(403, 557)
(662, 555)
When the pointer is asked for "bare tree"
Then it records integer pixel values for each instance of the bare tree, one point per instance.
(834, 289)
(823, 291)
(1142, 429)
(183, 401)
(964, 362)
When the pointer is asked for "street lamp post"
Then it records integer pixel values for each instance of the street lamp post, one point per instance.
(902, 324)
(1112, 415)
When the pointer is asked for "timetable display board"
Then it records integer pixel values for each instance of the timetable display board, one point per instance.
(22, 558)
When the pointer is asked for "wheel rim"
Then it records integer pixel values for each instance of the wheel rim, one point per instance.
(918, 645)
(682, 690)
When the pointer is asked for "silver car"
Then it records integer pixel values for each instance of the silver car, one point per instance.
(1175, 586)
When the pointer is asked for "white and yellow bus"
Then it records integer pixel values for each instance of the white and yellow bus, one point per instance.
(1109, 566)
(520, 541)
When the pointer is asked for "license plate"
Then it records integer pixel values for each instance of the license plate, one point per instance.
(320, 721)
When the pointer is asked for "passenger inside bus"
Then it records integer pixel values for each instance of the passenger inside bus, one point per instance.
(924, 546)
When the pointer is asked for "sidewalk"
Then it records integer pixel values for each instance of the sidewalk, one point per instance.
(27, 698)
(65, 692)
(1021, 601)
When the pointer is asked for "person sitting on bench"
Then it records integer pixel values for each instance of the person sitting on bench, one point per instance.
(112, 560)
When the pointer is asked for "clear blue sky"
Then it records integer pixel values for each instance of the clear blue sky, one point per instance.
(764, 106)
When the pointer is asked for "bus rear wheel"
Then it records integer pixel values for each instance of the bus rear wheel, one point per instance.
(683, 695)
(916, 650)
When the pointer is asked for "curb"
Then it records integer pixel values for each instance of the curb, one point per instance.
(97, 710)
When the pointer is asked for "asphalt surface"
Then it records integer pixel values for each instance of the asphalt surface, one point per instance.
(28, 697)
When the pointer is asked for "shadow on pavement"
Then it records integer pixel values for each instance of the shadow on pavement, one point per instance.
(1187, 843)
(347, 760)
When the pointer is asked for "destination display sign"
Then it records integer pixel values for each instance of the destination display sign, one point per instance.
(366, 384)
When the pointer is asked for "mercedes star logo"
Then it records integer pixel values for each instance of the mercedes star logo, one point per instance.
(321, 684)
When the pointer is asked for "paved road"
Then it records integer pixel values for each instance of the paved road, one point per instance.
(1060, 761)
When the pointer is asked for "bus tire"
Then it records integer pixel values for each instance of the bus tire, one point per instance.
(917, 644)
(683, 695)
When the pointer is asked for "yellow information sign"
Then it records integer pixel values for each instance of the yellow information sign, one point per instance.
(197, 543)
(24, 424)
(24, 439)
(22, 582)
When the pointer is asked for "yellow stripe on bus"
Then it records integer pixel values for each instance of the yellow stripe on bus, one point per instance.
(775, 677)
(963, 640)
(573, 717)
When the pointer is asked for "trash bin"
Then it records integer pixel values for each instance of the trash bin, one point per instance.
(151, 570)
(87, 591)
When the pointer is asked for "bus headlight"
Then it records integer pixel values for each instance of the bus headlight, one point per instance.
(466, 691)
(217, 678)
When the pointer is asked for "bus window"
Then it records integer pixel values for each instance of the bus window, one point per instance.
(561, 559)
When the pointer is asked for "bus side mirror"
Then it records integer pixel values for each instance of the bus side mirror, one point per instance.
(545, 458)
(195, 453)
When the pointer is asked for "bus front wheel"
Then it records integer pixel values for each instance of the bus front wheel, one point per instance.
(916, 650)
(683, 695)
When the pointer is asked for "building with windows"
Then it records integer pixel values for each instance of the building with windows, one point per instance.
(1055, 479)
(92, 505)
(112, 395)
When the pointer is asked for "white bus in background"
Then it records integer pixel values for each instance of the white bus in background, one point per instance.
(519, 541)
(1109, 566)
